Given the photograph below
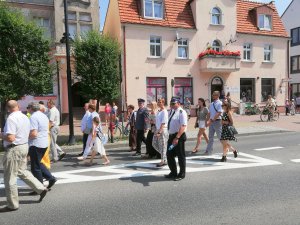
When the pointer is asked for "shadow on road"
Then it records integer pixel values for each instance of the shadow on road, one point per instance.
(145, 181)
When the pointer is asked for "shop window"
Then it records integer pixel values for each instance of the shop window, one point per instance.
(156, 89)
(267, 88)
(247, 89)
(183, 89)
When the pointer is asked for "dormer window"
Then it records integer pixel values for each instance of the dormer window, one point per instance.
(153, 9)
(265, 22)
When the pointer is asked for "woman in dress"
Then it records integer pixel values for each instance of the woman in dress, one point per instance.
(107, 110)
(160, 138)
(202, 112)
(150, 151)
(226, 135)
(130, 124)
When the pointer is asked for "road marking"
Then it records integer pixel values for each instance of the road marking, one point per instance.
(295, 160)
(266, 149)
(148, 168)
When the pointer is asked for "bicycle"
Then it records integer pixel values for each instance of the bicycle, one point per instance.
(267, 115)
(252, 109)
(119, 132)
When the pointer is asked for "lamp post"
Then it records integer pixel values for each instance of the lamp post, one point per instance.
(70, 102)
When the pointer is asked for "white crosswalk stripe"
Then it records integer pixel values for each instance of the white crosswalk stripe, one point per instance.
(269, 148)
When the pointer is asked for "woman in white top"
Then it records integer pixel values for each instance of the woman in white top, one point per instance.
(202, 113)
(160, 138)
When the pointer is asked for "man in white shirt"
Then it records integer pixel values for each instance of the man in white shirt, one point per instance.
(84, 126)
(54, 118)
(15, 136)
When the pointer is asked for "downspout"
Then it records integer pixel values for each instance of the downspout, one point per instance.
(288, 68)
(124, 65)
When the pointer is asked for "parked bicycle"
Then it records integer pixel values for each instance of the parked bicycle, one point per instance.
(267, 115)
(119, 131)
(252, 109)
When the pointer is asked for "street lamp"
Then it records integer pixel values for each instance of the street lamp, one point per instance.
(66, 39)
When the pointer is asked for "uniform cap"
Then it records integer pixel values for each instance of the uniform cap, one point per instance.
(141, 100)
(175, 99)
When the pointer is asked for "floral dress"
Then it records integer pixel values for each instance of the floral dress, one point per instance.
(226, 134)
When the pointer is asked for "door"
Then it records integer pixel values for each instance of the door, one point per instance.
(217, 85)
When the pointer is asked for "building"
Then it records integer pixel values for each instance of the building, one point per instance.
(291, 20)
(83, 16)
(190, 48)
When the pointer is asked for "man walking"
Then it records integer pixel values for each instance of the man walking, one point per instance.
(177, 126)
(84, 126)
(214, 121)
(15, 136)
(38, 142)
(54, 118)
(141, 125)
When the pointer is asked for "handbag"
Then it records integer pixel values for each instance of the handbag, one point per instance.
(232, 130)
(103, 137)
(196, 125)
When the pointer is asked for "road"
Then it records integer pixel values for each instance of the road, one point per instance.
(261, 186)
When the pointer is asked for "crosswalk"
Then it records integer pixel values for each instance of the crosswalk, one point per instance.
(196, 163)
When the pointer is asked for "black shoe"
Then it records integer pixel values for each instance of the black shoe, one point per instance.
(6, 209)
(62, 156)
(224, 159)
(170, 176)
(51, 183)
(178, 178)
(235, 154)
(136, 154)
(33, 193)
(43, 194)
(80, 154)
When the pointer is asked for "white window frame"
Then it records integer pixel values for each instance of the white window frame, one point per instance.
(214, 47)
(156, 44)
(216, 14)
(247, 48)
(181, 45)
(268, 49)
(153, 10)
(264, 16)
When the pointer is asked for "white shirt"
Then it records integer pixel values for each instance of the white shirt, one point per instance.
(39, 122)
(17, 124)
(161, 117)
(177, 120)
(214, 108)
(84, 120)
(54, 116)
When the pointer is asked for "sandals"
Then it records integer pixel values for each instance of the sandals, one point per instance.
(161, 164)
(106, 163)
(195, 150)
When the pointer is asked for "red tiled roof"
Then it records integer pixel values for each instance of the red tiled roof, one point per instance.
(178, 14)
(246, 22)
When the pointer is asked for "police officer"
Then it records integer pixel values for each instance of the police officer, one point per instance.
(141, 125)
(177, 126)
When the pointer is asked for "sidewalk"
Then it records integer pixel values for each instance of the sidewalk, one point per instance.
(245, 125)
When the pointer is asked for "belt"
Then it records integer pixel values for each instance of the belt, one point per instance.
(13, 145)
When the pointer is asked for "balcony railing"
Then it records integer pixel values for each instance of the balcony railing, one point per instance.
(38, 2)
(220, 63)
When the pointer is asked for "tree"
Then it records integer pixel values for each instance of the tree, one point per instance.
(24, 58)
(97, 66)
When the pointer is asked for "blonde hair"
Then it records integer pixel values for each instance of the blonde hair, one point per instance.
(153, 106)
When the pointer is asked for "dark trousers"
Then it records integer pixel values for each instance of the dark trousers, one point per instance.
(38, 169)
(140, 137)
(149, 148)
(179, 151)
(84, 140)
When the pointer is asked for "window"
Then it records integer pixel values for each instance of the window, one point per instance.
(85, 17)
(156, 88)
(84, 28)
(155, 46)
(72, 30)
(295, 92)
(153, 9)
(295, 34)
(247, 52)
(267, 88)
(183, 49)
(216, 45)
(44, 23)
(295, 64)
(216, 16)
(183, 89)
(71, 15)
(268, 53)
(264, 22)
(247, 89)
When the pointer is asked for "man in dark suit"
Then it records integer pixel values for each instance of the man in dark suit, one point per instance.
(141, 125)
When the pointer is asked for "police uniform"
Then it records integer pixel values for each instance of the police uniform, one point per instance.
(177, 119)
(141, 124)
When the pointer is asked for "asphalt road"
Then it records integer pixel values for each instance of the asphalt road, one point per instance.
(260, 187)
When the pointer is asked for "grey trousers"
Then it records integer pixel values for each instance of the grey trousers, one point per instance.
(215, 127)
(55, 149)
(15, 165)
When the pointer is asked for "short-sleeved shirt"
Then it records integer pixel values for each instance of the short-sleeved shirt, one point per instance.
(201, 114)
(17, 124)
(84, 121)
(90, 119)
(54, 116)
(161, 117)
(177, 120)
(39, 122)
(214, 108)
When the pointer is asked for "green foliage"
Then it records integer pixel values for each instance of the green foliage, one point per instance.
(24, 57)
(97, 66)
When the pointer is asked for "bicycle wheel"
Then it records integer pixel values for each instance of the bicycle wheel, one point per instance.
(117, 133)
(264, 116)
(275, 116)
